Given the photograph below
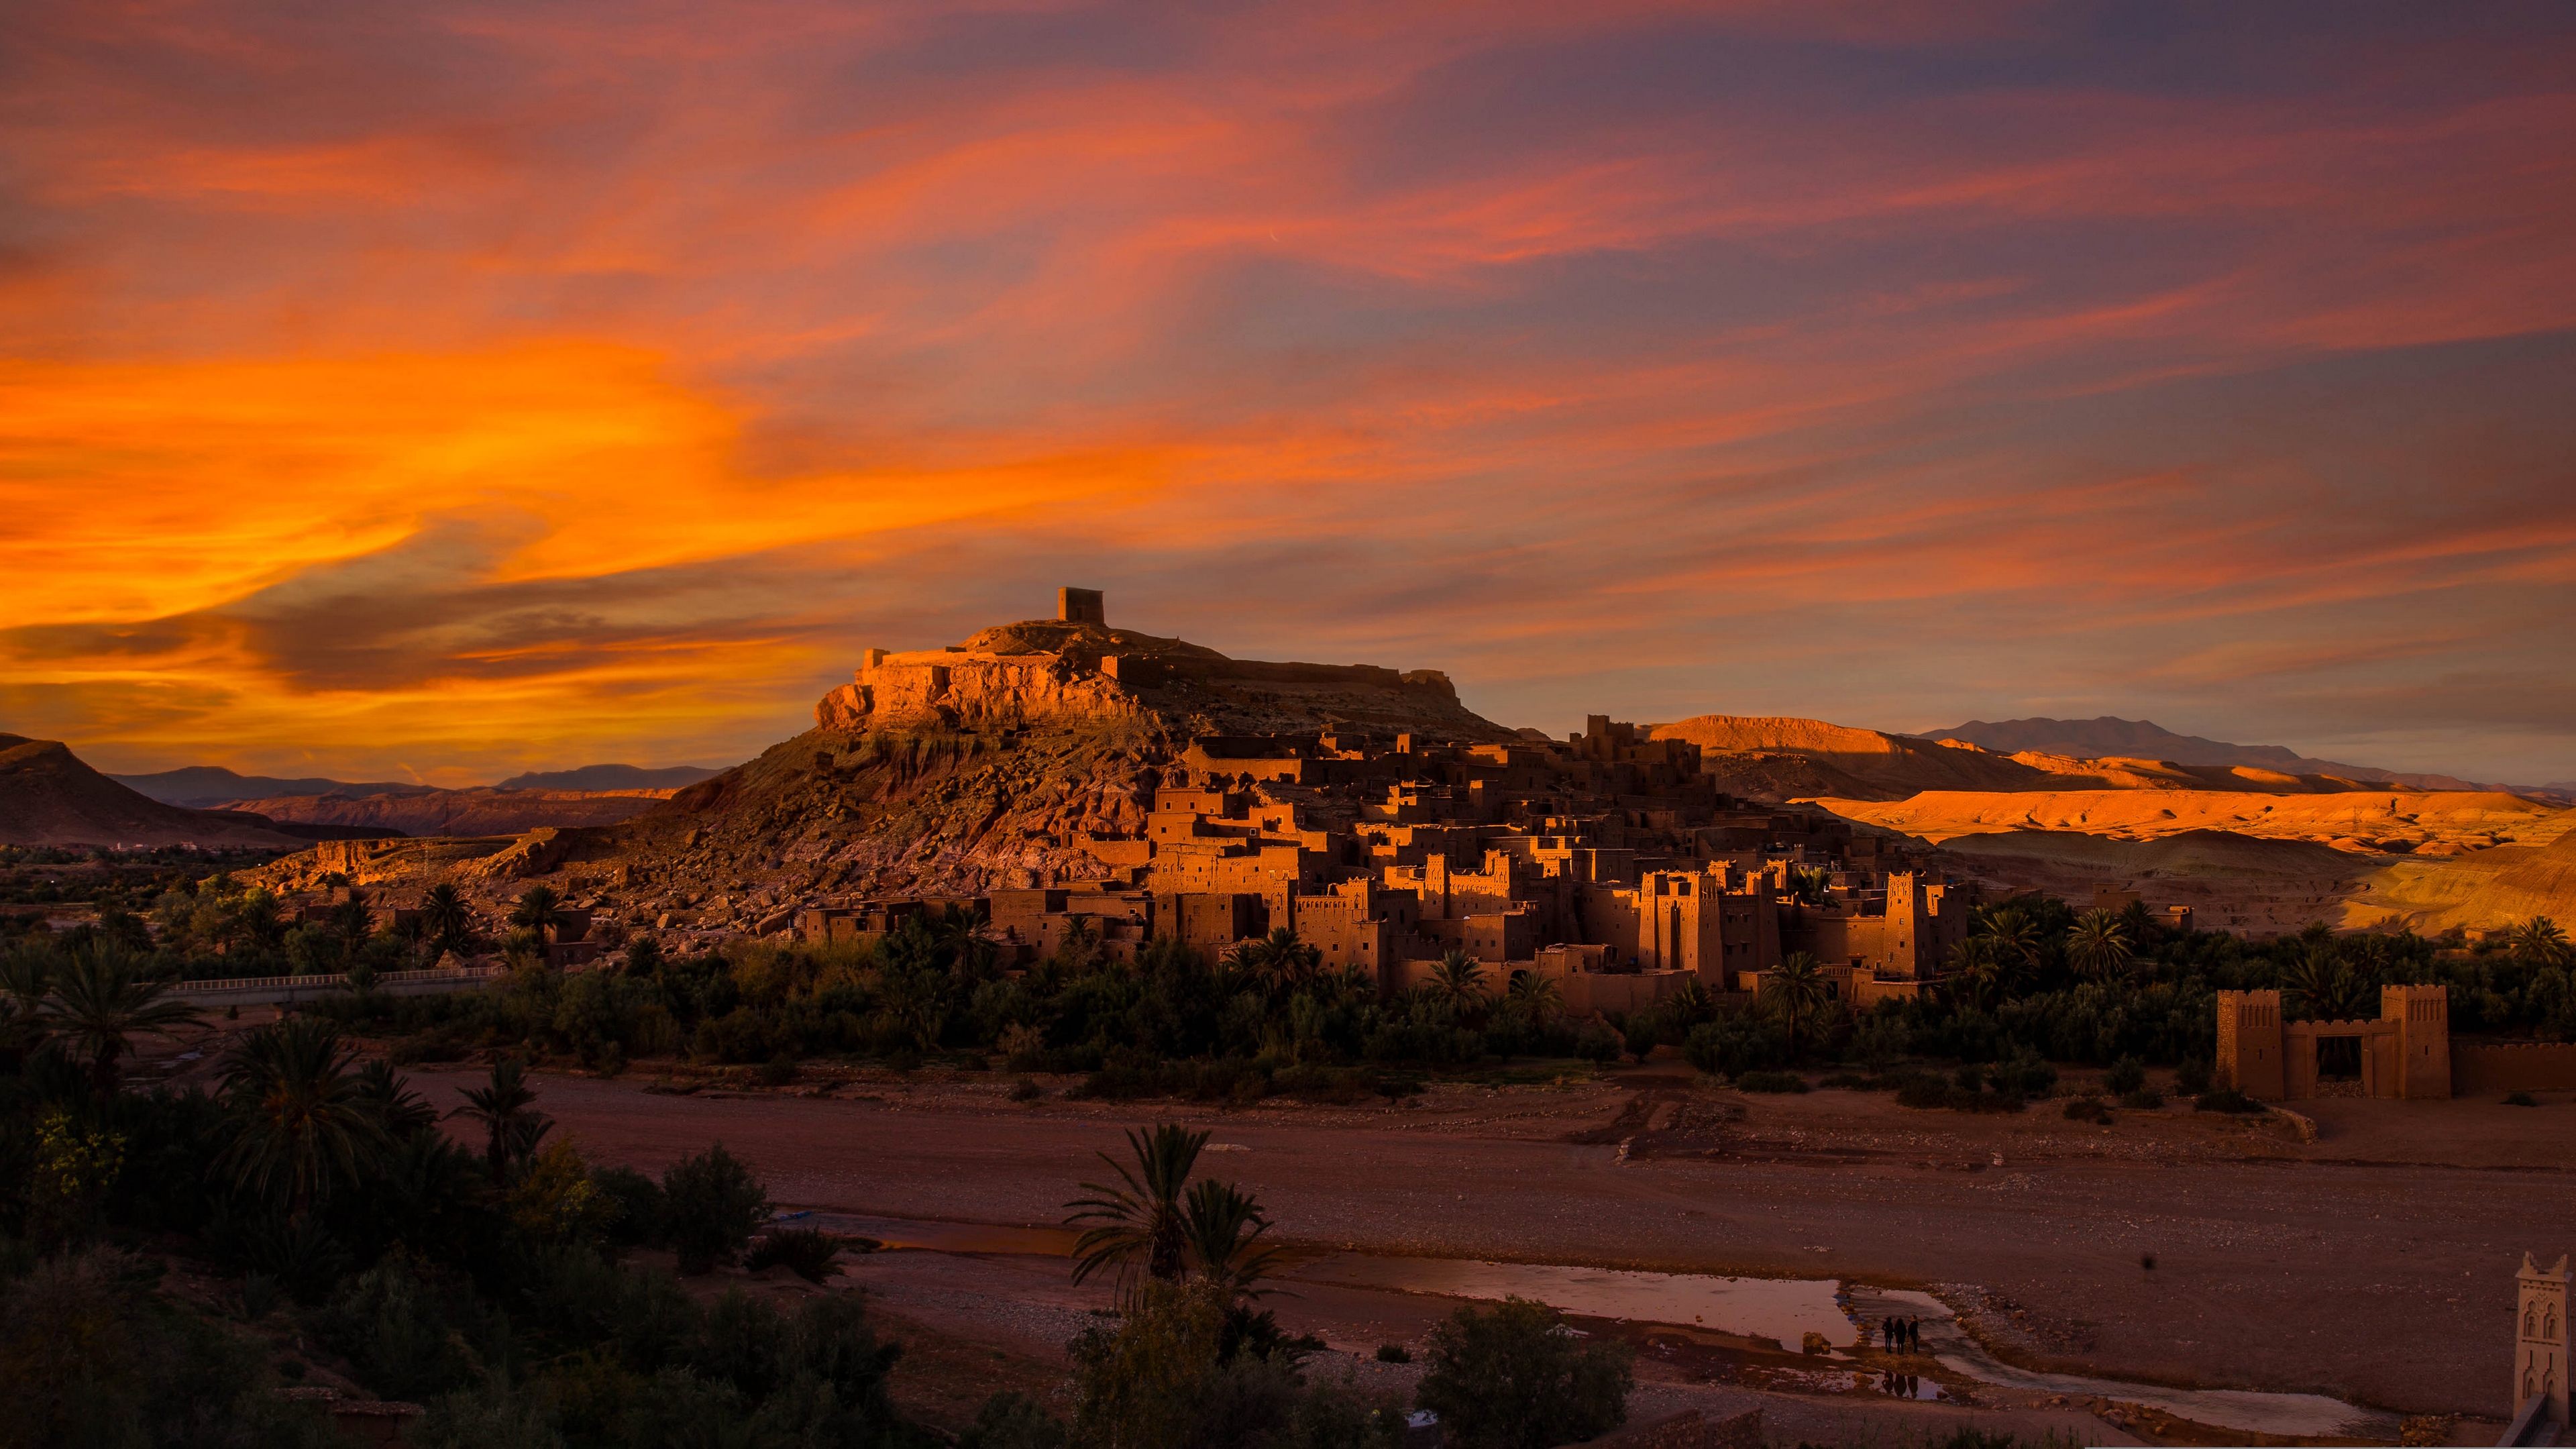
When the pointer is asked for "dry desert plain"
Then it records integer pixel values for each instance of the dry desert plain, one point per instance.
(2373, 1263)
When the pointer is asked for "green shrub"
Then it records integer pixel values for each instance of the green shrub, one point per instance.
(806, 1252)
(2025, 1075)
(1599, 1045)
(1771, 1082)
(640, 1208)
(1012, 1421)
(1511, 1378)
(2088, 1109)
(1985, 1102)
(1026, 1089)
(2145, 1099)
(1734, 1044)
(405, 1332)
(1394, 1353)
(2127, 1075)
(1922, 1091)
(778, 1071)
(711, 1204)
(2192, 1078)
(2520, 1099)
(2226, 1099)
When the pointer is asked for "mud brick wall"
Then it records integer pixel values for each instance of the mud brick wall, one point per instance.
(2480, 1068)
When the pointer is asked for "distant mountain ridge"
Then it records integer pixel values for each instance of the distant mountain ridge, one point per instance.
(2110, 737)
(204, 787)
(611, 777)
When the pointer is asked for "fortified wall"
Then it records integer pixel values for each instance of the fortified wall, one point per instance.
(2404, 1054)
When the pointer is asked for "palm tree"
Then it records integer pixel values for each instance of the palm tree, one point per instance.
(2541, 942)
(1986, 972)
(511, 1127)
(1459, 979)
(536, 911)
(1288, 962)
(401, 1111)
(353, 921)
(2015, 935)
(444, 914)
(1794, 990)
(910, 1002)
(1145, 1220)
(26, 978)
(1535, 995)
(101, 1001)
(1692, 1003)
(1223, 1223)
(2320, 982)
(304, 1116)
(2098, 944)
(261, 924)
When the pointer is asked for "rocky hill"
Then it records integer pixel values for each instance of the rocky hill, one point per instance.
(948, 771)
(48, 796)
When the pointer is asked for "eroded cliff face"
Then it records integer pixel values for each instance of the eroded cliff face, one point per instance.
(1044, 670)
(958, 689)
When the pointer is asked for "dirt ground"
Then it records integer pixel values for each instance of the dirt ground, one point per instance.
(2368, 1253)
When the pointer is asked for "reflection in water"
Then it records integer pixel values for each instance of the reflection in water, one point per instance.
(1783, 1310)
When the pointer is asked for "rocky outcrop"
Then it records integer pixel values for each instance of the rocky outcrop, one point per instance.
(1016, 674)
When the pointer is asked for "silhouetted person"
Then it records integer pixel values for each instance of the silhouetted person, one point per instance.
(1914, 1335)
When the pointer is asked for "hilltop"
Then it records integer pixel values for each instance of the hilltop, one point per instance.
(976, 766)
(1029, 754)
(49, 796)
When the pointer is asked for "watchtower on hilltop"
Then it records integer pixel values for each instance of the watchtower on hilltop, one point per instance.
(1081, 606)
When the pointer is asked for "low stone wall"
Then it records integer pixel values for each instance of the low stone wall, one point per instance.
(1688, 1430)
(2478, 1068)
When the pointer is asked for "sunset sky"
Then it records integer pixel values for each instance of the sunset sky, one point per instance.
(438, 391)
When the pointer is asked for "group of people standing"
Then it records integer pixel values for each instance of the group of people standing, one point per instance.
(1901, 1335)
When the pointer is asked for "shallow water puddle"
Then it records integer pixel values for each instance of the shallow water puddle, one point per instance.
(1784, 1310)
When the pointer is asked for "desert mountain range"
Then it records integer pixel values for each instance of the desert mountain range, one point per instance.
(990, 763)
(48, 796)
(2111, 737)
(338, 809)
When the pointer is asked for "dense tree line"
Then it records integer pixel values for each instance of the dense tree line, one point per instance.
(2037, 981)
(1266, 1017)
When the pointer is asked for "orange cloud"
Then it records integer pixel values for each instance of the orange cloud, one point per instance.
(481, 379)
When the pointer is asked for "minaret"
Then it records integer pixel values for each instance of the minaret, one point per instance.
(2540, 1340)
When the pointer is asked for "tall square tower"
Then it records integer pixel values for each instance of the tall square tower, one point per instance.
(2423, 1017)
(2249, 1044)
(1081, 606)
(2540, 1339)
